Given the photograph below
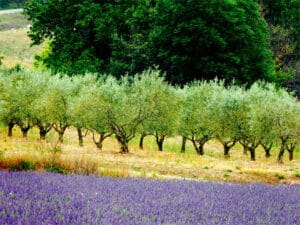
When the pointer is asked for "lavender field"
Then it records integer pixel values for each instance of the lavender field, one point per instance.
(44, 198)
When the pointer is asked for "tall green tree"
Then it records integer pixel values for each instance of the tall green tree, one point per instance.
(200, 39)
(90, 35)
(283, 18)
(197, 39)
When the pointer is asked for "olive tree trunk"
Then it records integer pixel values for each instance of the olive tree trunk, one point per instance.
(251, 147)
(123, 141)
(141, 144)
(10, 129)
(245, 147)
(183, 144)
(102, 137)
(252, 153)
(227, 145)
(60, 129)
(160, 141)
(281, 151)
(44, 130)
(199, 147)
(267, 149)
(80, 136)
(25, 131)
(291, 147)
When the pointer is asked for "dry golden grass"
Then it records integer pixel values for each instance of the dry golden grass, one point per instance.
(13, 21)
(15, 48)
(149, 163)
(14, 42)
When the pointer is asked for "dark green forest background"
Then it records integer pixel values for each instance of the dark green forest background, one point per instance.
(240, 40)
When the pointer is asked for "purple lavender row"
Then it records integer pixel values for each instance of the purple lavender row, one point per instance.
(44, 198)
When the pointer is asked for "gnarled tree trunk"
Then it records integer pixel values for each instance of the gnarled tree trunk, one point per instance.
(291, 147)
(160, 141)
(227, 145)
(281, 151)
(102, 137)
(291, 155)
(141, 144)
(251, 147)
(252, 153)
(80, 137)
(25, 131)
(245, 147)
(44, 128)
(267, 149)
(123, 141)
(198, 147)
(183, 144)
(60, 131)
(10, 128)
(25, 127)
(61, 137)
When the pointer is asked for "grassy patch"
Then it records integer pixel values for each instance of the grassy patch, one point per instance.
(13, 21)
(15, 48)
(280, 176)
(14, 42)
(88, 160)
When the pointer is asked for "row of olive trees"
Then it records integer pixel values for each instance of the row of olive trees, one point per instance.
(147, 105)
(262, 115)
(105, 106)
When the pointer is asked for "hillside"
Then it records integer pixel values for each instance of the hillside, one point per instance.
(14, 43)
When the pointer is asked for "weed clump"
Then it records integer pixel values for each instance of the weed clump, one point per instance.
(22, 165)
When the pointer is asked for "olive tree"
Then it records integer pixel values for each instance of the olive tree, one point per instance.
(7, 108)
(57, 100)
(164, 120)
(265, 103)
(228, 113)
(40, 107)
(77, 113)
(286, 114)
(195, 115)
(88, 108)
(129, 103)
(252, 130)
(19, 91)
(265, 96)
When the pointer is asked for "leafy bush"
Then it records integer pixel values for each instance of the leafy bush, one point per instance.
(55, 169)
(22, 165)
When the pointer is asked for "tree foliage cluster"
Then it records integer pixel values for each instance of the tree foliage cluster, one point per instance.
(147, 105)
(188, 40)
(283, 18)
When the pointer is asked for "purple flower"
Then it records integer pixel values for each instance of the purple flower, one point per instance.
(44, 198)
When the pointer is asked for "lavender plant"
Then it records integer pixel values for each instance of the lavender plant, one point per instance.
(43, 198)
